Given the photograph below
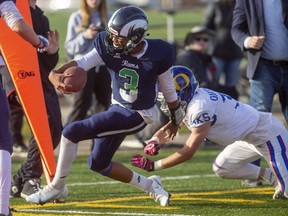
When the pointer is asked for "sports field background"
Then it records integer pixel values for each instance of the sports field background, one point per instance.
(183, 22)
(195, 191)
(194, 187)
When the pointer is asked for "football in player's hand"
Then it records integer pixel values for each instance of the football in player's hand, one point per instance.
(77, 79)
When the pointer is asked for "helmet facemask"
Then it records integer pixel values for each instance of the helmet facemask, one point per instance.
(128, 22)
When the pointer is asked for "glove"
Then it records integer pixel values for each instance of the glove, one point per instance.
(45, 43)
(152, 148)
(142, 163)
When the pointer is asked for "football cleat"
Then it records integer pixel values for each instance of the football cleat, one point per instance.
(251, 183)
(156, 191)
(48, 193)
(278, 194)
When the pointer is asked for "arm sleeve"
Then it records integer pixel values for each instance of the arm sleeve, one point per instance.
(239, 30)
(10, 13)
(167, 86)
(89, 60)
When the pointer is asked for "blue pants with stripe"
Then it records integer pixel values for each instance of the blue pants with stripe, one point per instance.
(108, 129)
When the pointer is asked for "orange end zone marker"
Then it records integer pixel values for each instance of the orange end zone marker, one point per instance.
(22, 62)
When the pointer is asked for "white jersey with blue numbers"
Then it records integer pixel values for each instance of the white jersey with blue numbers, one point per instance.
(230, 120)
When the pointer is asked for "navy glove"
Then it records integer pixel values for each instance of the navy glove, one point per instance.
(142, 163)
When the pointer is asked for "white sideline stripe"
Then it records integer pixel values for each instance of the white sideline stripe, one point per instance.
(171, 178)
(166, 178)
(95, 213)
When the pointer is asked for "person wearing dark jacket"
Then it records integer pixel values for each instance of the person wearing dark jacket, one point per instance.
(195, 57)
(226, 54)
(27, 179)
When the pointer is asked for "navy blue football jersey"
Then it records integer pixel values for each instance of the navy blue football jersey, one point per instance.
(1, 1)
(134, 80)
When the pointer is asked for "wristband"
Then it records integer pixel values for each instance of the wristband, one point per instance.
(158, 165)
(38, 45)
(156, 139)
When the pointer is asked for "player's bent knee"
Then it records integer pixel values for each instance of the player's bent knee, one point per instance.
(220, 172)
(70, 132)
(98, 165)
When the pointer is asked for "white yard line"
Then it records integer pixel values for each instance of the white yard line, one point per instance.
(171, 178)
(96, 213)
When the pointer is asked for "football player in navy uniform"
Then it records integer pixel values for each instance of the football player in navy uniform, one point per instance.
(246, 133)
(10, 14)
(137, 66)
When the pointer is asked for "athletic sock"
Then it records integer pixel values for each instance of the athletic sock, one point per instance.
(140, 181)
(67, 155)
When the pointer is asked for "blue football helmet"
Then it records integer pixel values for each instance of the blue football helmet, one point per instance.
(185, 82)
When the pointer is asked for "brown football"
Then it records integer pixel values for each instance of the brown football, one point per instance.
(77, 80)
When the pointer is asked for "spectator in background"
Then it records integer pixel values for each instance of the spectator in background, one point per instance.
(83, 26)
(16, 124)
(261, 29)
(226, 54)
(27, 178)
(10, 14)
(195, 57)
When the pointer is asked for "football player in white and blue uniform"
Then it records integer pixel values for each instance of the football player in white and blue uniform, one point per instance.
(138, 67)
(247, 133)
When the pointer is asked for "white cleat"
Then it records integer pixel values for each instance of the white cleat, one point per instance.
(158, 193)
(48, 193)
(279, 194)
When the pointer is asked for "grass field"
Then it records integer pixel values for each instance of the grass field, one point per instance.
(194, 188)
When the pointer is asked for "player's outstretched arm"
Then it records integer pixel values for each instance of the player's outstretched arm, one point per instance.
(24, 30)
(194, 141)
(12, 17)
